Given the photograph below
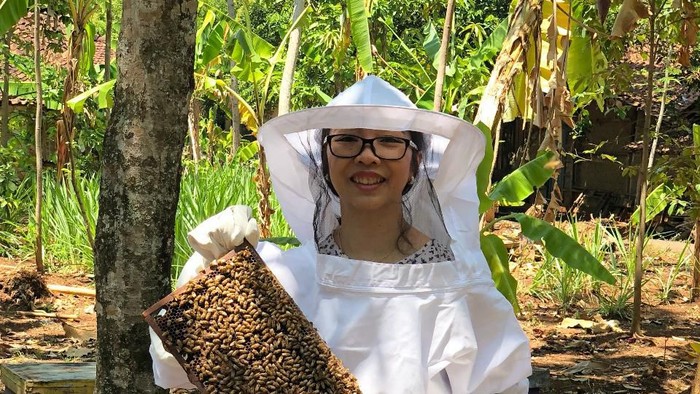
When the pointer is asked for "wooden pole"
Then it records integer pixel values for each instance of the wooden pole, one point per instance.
(83, 291)
(38, 247)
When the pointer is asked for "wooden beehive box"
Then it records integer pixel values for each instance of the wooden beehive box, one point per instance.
(49, 378)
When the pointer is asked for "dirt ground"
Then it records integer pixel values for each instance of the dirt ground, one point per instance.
(569, 359)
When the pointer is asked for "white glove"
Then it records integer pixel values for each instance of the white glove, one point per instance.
(219, 234)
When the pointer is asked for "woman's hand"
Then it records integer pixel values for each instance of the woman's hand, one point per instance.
(219, 234)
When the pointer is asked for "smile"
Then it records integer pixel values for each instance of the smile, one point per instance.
(363, 180)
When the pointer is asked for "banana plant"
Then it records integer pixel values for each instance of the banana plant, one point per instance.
(512, 190)
(359, 26)
(11, 11)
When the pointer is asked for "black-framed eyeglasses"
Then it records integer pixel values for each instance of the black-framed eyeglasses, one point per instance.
(348, 146)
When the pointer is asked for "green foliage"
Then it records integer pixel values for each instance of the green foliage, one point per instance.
(614, 301)
(483, 172)
(662, 197)
(667, 283)
(204, 191)
(104, 91)
(521, 183)
(679, 173)
(512, 189)
(497, 258)
(564, 247)
(11, 11)
(559, 282)
(64, 236)
(360, 33)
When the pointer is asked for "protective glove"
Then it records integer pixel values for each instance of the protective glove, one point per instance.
(219, 234)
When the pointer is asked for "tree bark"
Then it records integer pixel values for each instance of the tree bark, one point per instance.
(442, 55)
(193, 129)
(108, 42)
(5, 130)
(290, 61)
(38, 246)
(235, 114)
(696, 382)
(695, 288)
(141, 170)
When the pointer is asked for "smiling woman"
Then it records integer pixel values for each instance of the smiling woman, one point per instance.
(370, 171)
(382, 196)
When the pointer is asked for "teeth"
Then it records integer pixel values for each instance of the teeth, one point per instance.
(367, 181)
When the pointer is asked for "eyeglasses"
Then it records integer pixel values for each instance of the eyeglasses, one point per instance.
(349, 146)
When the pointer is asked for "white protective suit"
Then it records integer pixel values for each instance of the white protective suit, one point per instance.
(417, 328)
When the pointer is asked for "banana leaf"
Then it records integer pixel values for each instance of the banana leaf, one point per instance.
(360, 33)
(104, 99)
(519, 184)
(11, 11)
(483, 172)
(562, 246)
(210, 40)
(497, 256)
(658, 200)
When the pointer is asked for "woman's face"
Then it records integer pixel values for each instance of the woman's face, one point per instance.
(368, 182)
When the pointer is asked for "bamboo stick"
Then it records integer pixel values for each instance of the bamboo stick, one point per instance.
(83, 291)
(47, 314)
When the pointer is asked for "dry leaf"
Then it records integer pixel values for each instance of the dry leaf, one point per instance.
(586, 367)
(630, 12)
(573, 323)
(688, 31)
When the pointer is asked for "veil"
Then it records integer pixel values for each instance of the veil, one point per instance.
(442, 203)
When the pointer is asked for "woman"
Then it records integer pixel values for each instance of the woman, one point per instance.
(383, 198)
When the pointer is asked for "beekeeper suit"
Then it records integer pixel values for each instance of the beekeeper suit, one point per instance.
(399, 328)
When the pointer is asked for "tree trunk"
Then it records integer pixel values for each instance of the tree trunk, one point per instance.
(193, 129)
(235, 114)
(140, 185)
(695, 288)
(108, 42)
(642, 179)
(696, 382)
(442, 55)
(39, 249)
(290, 61)
(5, 129)
(235, 119)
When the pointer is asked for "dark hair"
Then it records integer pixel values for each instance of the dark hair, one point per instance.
(416, 137)
(406, 223)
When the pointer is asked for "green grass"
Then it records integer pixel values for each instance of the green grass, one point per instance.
(203, 193)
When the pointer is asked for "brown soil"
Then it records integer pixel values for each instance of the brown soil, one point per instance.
(31, 339)
(576, 360)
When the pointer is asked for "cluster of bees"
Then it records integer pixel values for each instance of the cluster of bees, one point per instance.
(235, 329)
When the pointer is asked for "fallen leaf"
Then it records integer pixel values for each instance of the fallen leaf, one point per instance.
(586, 367)
(573, 323)
(77, 332)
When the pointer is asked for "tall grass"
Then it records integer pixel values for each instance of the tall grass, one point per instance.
(65, 239)
(16, 206)
(203, 192)
(557, 282)
(206, 191)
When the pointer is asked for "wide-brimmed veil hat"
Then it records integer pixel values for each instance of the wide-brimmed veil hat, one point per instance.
(455, 148)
